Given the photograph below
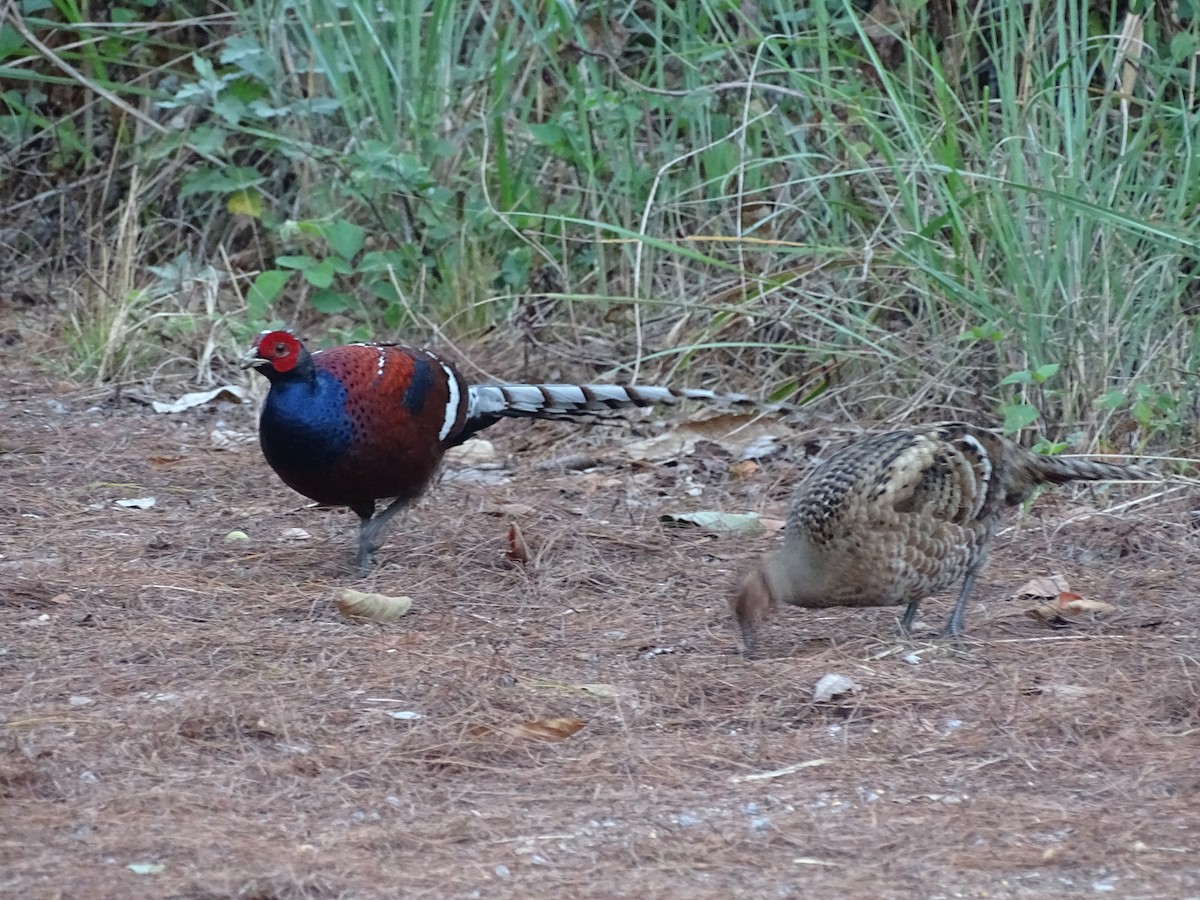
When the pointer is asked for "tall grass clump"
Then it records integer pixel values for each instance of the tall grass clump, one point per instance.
(978, 209)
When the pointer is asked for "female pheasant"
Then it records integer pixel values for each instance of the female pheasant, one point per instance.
(351, 425)
(893, 518)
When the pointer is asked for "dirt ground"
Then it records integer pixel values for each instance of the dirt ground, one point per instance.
(186, 716)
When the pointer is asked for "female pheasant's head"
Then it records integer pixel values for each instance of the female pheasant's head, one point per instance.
(275, 353)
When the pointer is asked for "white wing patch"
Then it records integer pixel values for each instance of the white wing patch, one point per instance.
(453, 400)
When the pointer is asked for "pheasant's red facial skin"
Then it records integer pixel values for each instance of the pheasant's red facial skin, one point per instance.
(279, 348)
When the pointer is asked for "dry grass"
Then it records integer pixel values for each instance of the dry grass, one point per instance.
(172, 699)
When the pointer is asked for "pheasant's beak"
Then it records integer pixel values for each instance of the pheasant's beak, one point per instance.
(251, 359)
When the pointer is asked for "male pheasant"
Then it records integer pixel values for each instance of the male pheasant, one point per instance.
(893, 518)
(351, 425)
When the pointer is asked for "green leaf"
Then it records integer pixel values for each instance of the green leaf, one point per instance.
(552, 136)
(514, 269)
(246, 203)
(1042, 373)
(1049, 448)
(1019, 416)
(321, 274)
(331, 302)
(982, 333)
(401, 258)
(1018, 378)
(295, 262)
(267, 286)
(203, 68)
(1113, 399)
(1183, 45)
(225, 180)
(344, 237)
(385, 291)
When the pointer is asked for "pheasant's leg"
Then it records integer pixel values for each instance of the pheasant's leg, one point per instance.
(954, 625)
(368, 533)
(365, 551)
(907, 619)
(748, 637)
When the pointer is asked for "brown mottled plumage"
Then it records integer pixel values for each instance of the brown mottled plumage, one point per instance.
(891, 519)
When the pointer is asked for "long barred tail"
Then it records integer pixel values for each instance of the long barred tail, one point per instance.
(1059, 470)
(488, 403)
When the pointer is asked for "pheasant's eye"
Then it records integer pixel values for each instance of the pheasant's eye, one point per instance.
(280, 349)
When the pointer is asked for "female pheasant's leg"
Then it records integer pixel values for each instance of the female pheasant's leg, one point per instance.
(954, 625)
(978, 545)
(907, 619)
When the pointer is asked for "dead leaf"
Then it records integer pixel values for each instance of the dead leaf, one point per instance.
(743, 469)
(199, 398)
(1069, 609)
(742, 435)
(661, 447)
(228, 439)
(1073, 603)
(372, 607)
(474, 452)
(604, 33)
(510, 510)
(164, 460)
(712, 520)
(1070, 691)
(591, 690)
(518, 550)
(558, 729)
(1046, 587)
(136, 503)
(834, 685)
(551, 729)
(779, 773)
(601, 690)
(590, 482)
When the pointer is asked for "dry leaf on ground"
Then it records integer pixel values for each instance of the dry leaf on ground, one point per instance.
(1068, 609)
(372, 607)
(834, 685)
(470, 453)
(713, 520)
(742, 435)
(199, 398)
(549, 729)
(518, 549)
(1044, 586)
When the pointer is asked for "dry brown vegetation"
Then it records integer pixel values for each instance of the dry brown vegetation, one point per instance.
(172, 700)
